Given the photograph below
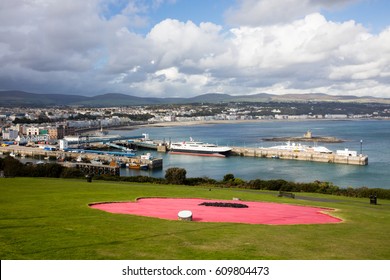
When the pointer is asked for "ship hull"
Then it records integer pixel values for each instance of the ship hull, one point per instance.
(199, 149)
(199, 153)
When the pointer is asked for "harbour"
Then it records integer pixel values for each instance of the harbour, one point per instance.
(91, 160)
(85, 159)
(252, 158)
(249, 136)
(295, 153)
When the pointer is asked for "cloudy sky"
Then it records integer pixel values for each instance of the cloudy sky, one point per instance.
(183, 48)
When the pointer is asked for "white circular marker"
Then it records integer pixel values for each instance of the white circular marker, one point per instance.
(185, 215)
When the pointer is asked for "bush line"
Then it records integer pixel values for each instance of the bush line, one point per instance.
(12, 167)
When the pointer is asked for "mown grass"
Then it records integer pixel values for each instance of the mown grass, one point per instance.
(50, 219)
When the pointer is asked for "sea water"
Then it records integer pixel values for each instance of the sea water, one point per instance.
(371, 137)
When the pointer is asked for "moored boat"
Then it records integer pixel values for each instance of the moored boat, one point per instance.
(294, 147)
(199, 148)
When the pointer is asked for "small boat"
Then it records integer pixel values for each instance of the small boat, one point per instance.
(96, 161)
(147, 156)
(144, 166)
(291, 147)
(134, 165)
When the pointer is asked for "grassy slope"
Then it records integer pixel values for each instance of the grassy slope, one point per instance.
(50, 219)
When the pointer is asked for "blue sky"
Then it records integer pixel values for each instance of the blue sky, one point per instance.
(183, 48)
(196, 11)
(373, 14)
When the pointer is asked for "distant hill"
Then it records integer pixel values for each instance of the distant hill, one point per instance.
(21, 98)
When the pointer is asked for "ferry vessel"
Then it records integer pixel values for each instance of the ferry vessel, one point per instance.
(293, 147)
(199, 149)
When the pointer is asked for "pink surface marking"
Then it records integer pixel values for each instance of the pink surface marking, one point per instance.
(256, 213)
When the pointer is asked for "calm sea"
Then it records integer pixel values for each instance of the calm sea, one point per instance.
(374, 133)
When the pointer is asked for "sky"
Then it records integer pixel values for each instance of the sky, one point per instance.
(184, 48)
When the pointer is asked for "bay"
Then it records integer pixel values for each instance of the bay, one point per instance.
(375, 136)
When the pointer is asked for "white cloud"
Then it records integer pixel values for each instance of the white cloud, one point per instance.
(71, 47)
(172, 80)
(176, 42)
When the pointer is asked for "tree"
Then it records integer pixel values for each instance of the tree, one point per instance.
(12, 167)
(175, 175)
(228, 177)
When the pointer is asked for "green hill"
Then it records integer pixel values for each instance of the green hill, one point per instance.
(21, 98)
(44, 219)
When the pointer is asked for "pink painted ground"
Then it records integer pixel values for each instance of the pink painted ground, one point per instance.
(256, 213)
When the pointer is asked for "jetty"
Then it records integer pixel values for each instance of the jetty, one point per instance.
(147, 143)
(95, 169)
(340, 158)
(78, 158)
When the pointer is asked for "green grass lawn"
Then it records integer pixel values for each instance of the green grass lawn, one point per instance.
(50, 219)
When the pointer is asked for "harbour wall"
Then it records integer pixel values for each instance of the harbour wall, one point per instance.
(306, 156)
(288, 155)
(153, 163)
(236, 151)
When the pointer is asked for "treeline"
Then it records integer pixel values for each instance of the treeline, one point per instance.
(13, 168)
(177, 176)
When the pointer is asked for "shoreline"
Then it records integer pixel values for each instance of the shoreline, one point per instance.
(214, 122)
(195, 123)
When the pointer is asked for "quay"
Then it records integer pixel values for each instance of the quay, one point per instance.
(351, 159)
(95, 169)
(299, 155)
(155, 163)
(29, 152)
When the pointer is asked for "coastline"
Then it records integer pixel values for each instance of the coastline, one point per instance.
(211, 122)
(203, 122)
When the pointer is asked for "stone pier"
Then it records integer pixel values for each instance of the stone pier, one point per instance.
(307, 156)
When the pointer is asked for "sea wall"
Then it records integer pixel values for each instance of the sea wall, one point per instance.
(307, 156)
(36, 152)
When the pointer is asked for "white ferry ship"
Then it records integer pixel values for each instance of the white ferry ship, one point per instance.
(199, 149)
(294, 147)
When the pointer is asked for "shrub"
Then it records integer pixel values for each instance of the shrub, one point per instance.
(71, 172)
(228, 177)
(175, 175)
(12, 167)
(200, 181)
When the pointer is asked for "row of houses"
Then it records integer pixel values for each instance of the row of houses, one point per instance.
(55, 131)
(22, 132)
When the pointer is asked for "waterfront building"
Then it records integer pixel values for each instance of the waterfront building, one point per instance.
(10, 134)
(32, 130)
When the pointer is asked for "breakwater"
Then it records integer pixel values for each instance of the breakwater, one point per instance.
(279, 154)
(306, 156)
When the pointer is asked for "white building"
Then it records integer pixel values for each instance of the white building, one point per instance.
(63, 145)
(336, 116)
(32, 131)
(10, 134)
(346, 153)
